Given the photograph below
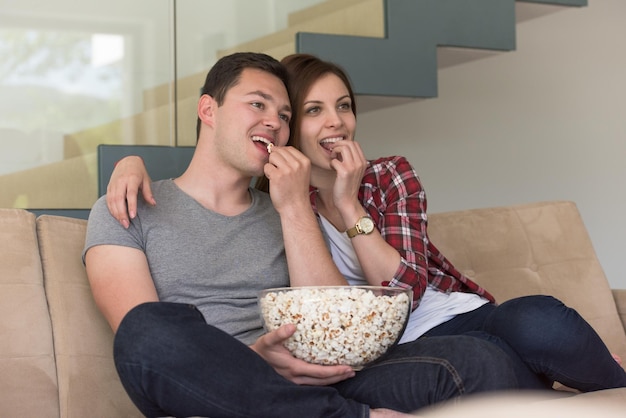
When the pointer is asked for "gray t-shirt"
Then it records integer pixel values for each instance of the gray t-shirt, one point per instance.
(218, 263)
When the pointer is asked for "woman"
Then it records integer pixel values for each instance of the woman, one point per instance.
(373, 214)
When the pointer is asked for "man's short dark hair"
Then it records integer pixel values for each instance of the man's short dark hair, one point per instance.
(226, 73)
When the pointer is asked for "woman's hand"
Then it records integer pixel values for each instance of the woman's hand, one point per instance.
(270, 347)
(617, 358)
(128, 177)
(349, 163)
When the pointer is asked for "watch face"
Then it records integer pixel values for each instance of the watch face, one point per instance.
(366, 224)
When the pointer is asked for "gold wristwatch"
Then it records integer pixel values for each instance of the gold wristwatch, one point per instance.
(364, 226)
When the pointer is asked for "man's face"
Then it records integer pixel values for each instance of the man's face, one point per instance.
(255, 112)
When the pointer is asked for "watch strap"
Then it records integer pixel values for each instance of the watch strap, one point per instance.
(354, 231)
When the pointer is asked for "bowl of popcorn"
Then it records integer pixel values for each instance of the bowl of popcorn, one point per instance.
(338, 325)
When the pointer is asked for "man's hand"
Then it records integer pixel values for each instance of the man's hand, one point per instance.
(309, 261)
(270, 347)
(128, 177)
(289, 173)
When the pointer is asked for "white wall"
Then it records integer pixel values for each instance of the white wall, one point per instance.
(544, 122)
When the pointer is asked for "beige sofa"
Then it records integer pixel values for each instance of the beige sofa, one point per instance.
(55, 347)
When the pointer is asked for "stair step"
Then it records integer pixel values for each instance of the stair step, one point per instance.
(345, 17)
(320, 10)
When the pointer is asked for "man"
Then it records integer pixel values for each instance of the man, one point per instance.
(179, 285)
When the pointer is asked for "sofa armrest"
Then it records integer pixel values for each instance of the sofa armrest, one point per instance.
(620, 302)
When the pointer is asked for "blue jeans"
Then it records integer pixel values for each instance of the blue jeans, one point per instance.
(172, 363)
(546, 341)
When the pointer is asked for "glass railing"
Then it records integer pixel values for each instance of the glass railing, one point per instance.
(78, 73)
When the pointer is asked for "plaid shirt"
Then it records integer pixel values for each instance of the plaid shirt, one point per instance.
(393, 196)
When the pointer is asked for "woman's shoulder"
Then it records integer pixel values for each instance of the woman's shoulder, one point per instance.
(394, 163)
(388, 173)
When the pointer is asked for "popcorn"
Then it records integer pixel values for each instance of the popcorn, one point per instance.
(338, 324)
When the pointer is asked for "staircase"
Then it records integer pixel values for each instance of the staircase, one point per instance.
(392, 50)
(421, 37)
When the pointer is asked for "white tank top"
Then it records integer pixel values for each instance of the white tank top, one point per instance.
(435, 307)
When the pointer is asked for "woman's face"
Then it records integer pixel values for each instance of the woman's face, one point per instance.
(326, 119)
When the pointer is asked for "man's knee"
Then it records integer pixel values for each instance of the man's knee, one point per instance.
(488, 368)
(151, 327)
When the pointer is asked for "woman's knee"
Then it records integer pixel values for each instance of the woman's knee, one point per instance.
(534, 322)
(526, 315)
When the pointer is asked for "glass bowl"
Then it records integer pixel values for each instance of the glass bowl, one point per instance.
(338, 325)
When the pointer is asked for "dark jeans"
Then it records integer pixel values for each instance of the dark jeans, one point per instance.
(172, 363)
(546, 340)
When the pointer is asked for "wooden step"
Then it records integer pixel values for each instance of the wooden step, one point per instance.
(345, 17)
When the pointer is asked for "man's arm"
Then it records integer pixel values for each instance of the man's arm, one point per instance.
(308, 258)
(120, 280)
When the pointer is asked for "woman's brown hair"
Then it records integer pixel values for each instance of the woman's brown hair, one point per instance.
(304, 70)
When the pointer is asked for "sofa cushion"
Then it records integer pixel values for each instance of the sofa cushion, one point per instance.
(28, 382)
(537, 248)
(88, 382)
